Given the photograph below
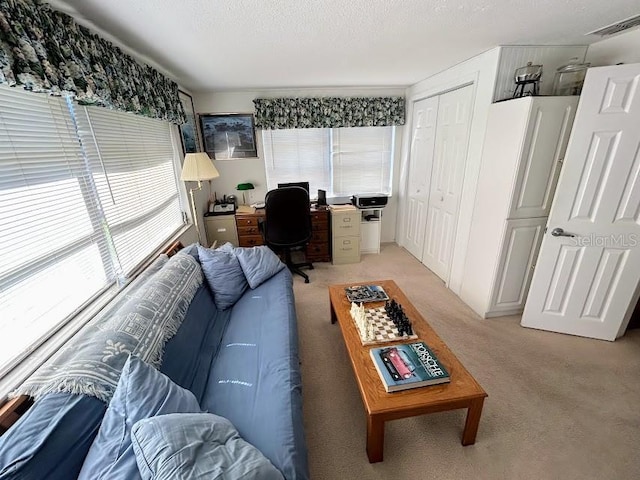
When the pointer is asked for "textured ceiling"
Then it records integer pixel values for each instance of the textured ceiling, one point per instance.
(244, 44)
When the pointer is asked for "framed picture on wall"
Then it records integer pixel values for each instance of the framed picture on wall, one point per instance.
(229, 135)
(189, 130)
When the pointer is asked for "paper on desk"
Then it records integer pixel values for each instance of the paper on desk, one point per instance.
(342, 207)
(245, 209)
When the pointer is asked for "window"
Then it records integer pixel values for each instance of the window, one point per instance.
(362, 159)
(75, 211)
(342, 161)
(131, 158)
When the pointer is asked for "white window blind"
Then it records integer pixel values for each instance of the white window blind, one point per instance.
(362, 160)
(86, 195)
(342, 161)
(52, 256)
(297, 155)
(131, 158)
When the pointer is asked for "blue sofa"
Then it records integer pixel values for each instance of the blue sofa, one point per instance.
(241, 363)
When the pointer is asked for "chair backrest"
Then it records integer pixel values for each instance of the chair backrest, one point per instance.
(287, 220)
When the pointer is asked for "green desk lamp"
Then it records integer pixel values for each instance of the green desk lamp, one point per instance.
(243, 187)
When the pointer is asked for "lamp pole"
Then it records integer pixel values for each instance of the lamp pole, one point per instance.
(197, 167)
(195, 212)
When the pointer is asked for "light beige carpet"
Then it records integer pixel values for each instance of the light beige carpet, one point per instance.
(559, 407)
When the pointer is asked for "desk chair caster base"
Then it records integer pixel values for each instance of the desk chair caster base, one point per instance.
(295, 268)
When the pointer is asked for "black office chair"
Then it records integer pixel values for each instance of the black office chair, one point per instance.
(287, 224)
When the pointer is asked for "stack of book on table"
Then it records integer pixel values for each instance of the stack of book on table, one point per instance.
(408, 365)
(366, 293)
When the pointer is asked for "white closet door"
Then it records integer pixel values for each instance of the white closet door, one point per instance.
(420, 161)
(451, 140)
(584, 284)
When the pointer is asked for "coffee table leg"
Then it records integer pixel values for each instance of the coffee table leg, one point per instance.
(473, 420)
(334, 319)
(375, 438)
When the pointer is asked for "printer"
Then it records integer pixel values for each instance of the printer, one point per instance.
(370, 200)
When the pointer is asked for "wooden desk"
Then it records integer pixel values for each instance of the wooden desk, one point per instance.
(318, 249)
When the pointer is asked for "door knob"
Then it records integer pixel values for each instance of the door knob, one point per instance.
(558, 232)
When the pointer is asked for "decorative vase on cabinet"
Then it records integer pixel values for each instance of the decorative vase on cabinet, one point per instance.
(524, 147)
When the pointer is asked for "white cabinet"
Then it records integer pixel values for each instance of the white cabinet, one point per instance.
(525, 143)
(515, 268)
(370, 222)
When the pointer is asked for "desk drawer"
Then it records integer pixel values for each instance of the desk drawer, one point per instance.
(247, 220)
(250, 240)
(320, 227)
(317, 249)
(315, 257)
(251, 230)
(320, 237)
(320, 220)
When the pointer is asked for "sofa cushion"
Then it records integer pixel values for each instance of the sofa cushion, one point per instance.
(51, 439)
(224, 276)
(255, 379)
(198, 447)
(142, 392)
(259, 264)
(188, 355)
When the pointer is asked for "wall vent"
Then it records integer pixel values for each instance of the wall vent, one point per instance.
(617, 27)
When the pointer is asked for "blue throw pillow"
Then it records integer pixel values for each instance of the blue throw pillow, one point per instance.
(198, 447)
(224, 275)
(259, 264)
(191, 250)
(142, 392)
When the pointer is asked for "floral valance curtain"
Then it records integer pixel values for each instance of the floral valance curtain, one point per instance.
(328, 112)
(47, 51)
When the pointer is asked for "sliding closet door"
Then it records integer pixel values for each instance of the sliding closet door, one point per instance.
(451, 140)
(420, 162)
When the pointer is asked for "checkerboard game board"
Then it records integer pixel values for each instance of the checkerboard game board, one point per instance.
(383, 327)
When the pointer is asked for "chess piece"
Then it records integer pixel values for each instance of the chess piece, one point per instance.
(370, 332)
(363, 323)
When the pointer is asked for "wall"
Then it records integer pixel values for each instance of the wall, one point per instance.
(481, 72)
(252, 170)
(623, 48)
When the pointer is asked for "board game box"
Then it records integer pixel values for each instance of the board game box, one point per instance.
(408, 365)
(366, 293)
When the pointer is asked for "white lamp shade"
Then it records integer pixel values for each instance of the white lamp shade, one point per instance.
(196, 167)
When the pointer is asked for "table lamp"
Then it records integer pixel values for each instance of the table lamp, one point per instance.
(197, 167)
(243, 187)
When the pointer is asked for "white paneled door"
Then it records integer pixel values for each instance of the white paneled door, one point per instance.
(447, 175)
(420, 162)
(588, 269)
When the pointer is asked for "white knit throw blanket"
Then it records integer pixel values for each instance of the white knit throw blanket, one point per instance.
(92, 361)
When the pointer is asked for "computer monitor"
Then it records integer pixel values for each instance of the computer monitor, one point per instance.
(304, 185)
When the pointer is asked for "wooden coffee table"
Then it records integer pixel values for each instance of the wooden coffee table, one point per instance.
(462, 392)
